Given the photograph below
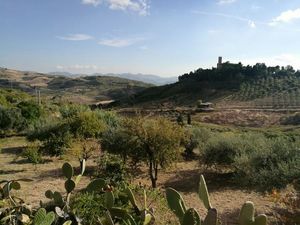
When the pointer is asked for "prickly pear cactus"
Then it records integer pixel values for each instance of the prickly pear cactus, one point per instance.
(211, 217)
(176, 203)
(43, 218)
(191, 217)
(203, 193)
(247, 216)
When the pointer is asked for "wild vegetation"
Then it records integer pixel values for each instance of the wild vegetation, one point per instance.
(129, 157)
(231, 85)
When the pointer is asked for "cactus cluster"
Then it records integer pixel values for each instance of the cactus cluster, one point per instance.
(144, 215)
(17, 212)
(192, 217)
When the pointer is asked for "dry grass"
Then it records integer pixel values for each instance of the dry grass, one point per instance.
(184, 177)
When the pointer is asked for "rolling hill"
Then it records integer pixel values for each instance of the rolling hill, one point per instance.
(146, 78)
(232, 86)
(85, 89)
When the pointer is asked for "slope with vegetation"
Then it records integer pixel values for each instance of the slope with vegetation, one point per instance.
(80, 89)
(231, 85)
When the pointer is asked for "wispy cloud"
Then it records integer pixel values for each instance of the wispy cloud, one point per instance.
(120, 42)
(286, 16)
(139, 6)
(250, 22)
(91, 2)
(225, 2)
(77, 67)
(75, 37)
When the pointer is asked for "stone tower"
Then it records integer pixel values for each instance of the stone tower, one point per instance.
(219, 65)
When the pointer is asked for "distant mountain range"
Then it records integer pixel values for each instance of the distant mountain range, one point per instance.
(146, 78)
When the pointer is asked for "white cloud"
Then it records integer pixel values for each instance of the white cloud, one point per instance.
(286, 16)
(76, 37)
(119, 42)
(251, 24)
(225, 2)
(77, 67)
(139, 6)
(91, 2)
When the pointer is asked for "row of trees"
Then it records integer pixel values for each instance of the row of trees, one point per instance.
(238, 72)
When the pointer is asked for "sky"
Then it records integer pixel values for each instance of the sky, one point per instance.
(162, 37)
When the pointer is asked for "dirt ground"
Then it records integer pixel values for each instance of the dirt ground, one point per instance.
(184, 177)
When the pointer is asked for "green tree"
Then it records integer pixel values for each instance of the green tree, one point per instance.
(30, 110)
(155, 141)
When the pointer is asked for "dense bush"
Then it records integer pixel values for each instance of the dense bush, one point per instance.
(30, 110)
(111, 168)
(55, 138)
(32, 154)
(87, 125)
(274, 166)
(257, 160)
(11, 119)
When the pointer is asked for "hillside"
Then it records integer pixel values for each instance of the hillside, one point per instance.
(79, 89)
(146, 78)
(232, 86)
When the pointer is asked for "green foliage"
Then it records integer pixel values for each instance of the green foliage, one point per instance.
(72, 110)
(12, 119)
(263, 161)
(55, 138)
(274, 166)
(32, 154)
(111, 168)
(43, 218)
(87, 125)
(220, 149)
(152, 140)
(30, 110)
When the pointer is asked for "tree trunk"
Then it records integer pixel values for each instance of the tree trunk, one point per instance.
(153, 173)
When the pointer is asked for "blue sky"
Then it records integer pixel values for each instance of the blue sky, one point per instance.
(164, 37)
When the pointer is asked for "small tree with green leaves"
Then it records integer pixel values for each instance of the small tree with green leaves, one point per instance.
(155, 141)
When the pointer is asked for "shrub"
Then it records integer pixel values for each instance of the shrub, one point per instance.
(87, 125)
(220, 149)
(30, 110)
(111, 168)
(55, 138)
(89, 207)
(274, 166)
(32, 154)
(72, 110)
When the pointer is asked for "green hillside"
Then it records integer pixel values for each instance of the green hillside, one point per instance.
(86, 89)
(233, 85)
